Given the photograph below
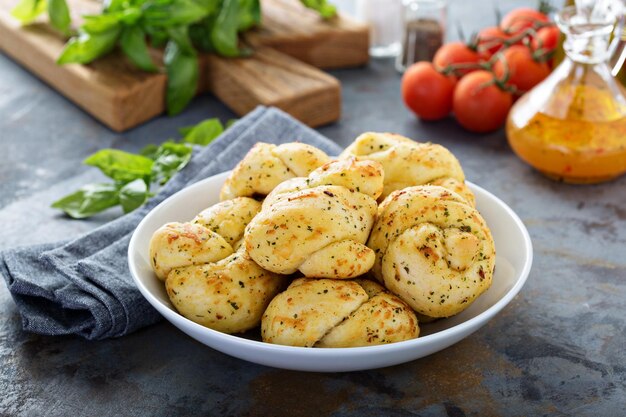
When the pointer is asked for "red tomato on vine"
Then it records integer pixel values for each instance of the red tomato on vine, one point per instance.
(427, 92)
(520, 19)
(523, 71)
(455, 53)
(491, 39)
(547, 38)
(479, 104)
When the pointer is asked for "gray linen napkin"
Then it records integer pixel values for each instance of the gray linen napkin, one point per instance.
(83, 286)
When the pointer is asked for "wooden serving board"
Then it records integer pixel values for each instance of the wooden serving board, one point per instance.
(292, 29)
(281, 73)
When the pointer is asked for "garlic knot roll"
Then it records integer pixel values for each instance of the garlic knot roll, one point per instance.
(319, 225)
(408, 163)
(433, 250)
(267, 165)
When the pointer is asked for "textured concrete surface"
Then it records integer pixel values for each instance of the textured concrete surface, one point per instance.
(557, 349)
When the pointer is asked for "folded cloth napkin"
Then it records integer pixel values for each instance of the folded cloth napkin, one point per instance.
(84, 286)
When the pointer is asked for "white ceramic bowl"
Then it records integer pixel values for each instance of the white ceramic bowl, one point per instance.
(513, 262)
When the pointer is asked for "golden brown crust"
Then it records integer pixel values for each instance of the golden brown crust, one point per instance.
(229, 296)
(309, 219)
(306, 311)
(266, 165)
(408, 163)
(433, 250)
(459, 187)
(384, 318)
(182, 244)
(204, 279)
(337, 313)
(229, 218)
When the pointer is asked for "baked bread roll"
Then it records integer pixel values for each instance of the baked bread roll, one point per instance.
(182, 244)
(266, 165)
(206, 278)
(210, 237)
(319, 225)
(433, 250)
(407, 163)
(229, 218)
(337, 313)
(229, 295)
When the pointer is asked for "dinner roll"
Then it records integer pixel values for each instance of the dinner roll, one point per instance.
(319, 225)
(229, 295)
(213, 235)
(337, 313)
(433, 250)
(229, 218)
(266, 165)
(181, 244)
(407, 163)
(208, 275)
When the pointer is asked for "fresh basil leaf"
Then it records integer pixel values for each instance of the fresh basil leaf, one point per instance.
(173, 148)
(28, 10)
(133, 43)
(180, 35)
(121, 166)
(200, 33)
(184, 131)
(211, 6)
(224, 34)
(325, 9)
(182, 77)
(149, 151)
(249, 14)
(87, 47)
(170, 158)
(158, 36)
(130, 16)
(113, 5)
(88, 200)
(204, 132)
(96, 24)
(168, 13)
(110, 19)
(133, 195)
(59, 15)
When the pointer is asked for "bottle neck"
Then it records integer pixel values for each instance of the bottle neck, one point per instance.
(587, 37)
(588, 50)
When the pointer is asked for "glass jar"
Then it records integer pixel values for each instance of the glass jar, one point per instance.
(385, 20)
(423, 31)
(572, 126)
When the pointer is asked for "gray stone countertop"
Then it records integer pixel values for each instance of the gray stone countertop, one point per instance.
(558, 349)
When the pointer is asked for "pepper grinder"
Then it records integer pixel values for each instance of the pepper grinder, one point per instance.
(424, 28)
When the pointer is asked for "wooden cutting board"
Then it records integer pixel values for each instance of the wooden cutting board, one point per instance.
(291, 44)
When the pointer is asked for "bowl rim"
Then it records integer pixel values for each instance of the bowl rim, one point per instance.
(467, 326)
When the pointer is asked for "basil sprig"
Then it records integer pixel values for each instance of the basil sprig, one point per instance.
(183, 27)
(26, 11)
(135, 176)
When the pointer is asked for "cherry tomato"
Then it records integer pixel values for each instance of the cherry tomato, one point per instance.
(524, 71)
(546, 38)
(456, 53)
(427, 92)
(520, 19)
(490, 39)
(478, 104)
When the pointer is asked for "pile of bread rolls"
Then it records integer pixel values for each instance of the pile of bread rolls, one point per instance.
(323, 252)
